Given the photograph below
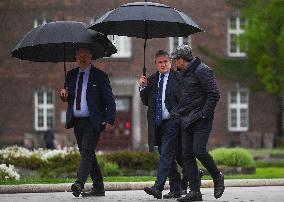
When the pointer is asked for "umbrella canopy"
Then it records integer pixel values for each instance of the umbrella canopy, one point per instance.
(58, 41)
(146, 20)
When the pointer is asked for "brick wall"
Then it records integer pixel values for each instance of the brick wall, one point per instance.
(19, 79)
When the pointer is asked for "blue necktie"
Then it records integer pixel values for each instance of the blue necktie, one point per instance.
(159, 110)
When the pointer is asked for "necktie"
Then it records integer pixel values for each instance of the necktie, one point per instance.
(159, 110)
(79, 91)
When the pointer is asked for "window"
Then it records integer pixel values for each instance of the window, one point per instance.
(176, 41)
(236, 26)
(41, 21)
(122, 104)
(238, 114)
(122, 44)
(44, 110)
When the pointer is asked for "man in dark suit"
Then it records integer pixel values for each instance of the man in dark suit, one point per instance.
(158, 93)
(198, 99)
(91, 109)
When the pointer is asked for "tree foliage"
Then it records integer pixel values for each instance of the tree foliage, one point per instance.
(264, 39)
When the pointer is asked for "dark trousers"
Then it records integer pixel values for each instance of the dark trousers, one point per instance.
(87, 140)
(179, 160)
(168, 139)
(194, 141)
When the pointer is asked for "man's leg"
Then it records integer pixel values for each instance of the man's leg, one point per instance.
(97, 178)
(174, 181)
(89, 139)
(167, 129)
(179, 160)
(201, 133)
(190, 167)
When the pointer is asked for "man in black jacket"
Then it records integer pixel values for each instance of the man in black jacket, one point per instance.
(158, 92)
(199, 95)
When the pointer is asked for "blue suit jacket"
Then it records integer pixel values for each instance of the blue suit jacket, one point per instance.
(100, 99)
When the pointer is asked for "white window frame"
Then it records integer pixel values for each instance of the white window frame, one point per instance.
(180, 42)
(123, 45)
(238, 106)
(44, 106)
(238, 31)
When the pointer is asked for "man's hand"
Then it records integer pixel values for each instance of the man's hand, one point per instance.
(64, 94)
(107, 126)
(143, 81)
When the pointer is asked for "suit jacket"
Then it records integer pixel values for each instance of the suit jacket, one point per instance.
(199, 93)
(100, 99)
(148, 97)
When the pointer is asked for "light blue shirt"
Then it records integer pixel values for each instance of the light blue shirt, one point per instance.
(84, 111)
(165, 112)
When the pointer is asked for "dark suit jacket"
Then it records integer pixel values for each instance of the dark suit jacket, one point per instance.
(148, 97)
(199, 93)
(100, 99)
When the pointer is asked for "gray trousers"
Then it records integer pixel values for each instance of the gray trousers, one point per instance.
(87, 140)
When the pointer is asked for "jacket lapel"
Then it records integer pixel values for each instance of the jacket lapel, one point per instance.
(169, 82)
(74, 81)
(91, 78)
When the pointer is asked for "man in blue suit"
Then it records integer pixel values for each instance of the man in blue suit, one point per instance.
(91, 109)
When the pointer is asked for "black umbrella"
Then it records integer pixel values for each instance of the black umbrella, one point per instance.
(146, 20)
(58, 41)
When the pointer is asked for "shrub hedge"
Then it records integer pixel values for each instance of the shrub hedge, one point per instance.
(232, 157)
(64, 163)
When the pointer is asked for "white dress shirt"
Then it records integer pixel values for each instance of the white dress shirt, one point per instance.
(165, 112)
(84, 111)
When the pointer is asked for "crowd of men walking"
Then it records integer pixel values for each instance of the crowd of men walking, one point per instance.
(180, 116)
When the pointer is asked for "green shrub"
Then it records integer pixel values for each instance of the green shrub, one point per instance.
(137, 160)
(232, 157)
(61, 164)
(109, 168)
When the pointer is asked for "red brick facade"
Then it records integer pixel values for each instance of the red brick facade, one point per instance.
(20, 79)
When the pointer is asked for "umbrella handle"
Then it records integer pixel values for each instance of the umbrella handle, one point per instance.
(145, 44)
(144, 68)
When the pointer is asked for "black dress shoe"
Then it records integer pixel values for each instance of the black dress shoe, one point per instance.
(219, 186)
(154, 192)
(93, 192)
(184, 183)
(191, 196)
(76, 189)
(172, 194)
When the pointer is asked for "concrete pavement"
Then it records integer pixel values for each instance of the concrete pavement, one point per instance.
(231, 194)
(114, 186)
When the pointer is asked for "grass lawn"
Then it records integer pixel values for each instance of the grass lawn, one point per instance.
(261, 173)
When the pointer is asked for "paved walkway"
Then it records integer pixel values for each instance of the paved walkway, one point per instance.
(231, 194)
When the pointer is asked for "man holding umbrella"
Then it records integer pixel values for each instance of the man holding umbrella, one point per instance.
(198, 98)
(91, 109)
(158, 92)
